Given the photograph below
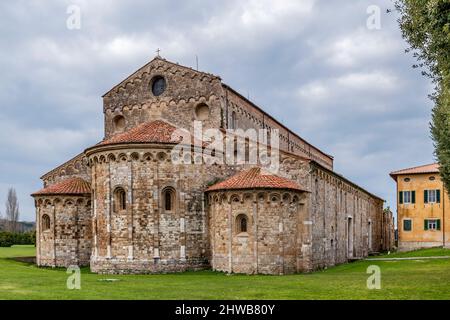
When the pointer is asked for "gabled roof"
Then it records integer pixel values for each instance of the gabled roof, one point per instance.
(70, 186)
(428, 168)
(255, 178)
(156, 59)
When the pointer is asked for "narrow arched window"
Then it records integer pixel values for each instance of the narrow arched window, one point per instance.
(241, 223)
(233, 120)
(45, 222)
(168, 199)
(244, 225)
(120, 199)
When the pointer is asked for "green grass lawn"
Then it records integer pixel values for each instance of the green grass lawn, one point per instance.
(411, 279)
(432, 252)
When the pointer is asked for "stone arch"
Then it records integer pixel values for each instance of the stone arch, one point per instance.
(274, 197)
(69, 202)
(248, 196)
(112, 157)
(119, 123)
(202, 111)
(286, 198)
(122, 157)
(135, 156)
(147, 156)
(161, 156)
(261, 196)
(234, 198)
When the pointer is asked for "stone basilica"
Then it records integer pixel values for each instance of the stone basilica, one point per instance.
(124, 206)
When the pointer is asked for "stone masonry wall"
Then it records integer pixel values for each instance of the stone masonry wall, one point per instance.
(68, 241)
(344, 219)
(185, 90)
(275, 231)
(144, 237)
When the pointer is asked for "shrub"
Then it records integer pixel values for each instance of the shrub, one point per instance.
(7, 239)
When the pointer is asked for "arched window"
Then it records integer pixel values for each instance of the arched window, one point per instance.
(120, 199)
(241, 223)
(233, 120)
(168, 199)
(45, 222)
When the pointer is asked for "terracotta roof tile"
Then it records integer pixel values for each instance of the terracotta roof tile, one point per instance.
(150, 132)
(70, 186)
(429, 168)
(255, 178)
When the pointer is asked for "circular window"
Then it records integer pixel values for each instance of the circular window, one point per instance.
(158, 85)
(407, 179)
(432, 178)
(202, 112)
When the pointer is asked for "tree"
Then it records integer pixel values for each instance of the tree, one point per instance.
(12, 210)
(425, 24)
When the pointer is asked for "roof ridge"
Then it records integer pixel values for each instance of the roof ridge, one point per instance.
(416, 167)
(253, 178)
(69, 185)
(163, 60)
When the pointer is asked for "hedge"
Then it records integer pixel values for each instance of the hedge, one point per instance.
(7, 239)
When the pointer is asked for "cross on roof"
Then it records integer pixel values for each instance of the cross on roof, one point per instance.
(158, 51)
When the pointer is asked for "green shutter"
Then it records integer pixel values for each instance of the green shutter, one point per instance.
(425, 224)
(438, 196)
(400, 197)
(413, 197)
(438, 224)
(425, 196)
(407, 225)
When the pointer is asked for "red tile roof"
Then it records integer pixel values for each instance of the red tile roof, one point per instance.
(70, 186)
(150, 132)
(255, 178)
(428, 168)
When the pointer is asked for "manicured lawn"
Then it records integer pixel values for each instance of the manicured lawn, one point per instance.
(412, 279)
(418, 253)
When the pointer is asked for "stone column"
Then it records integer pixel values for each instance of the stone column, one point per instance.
(255, 231)
(38, 233)
(131, 212)
(230, 235)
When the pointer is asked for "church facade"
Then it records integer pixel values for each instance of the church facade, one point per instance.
(125, 206)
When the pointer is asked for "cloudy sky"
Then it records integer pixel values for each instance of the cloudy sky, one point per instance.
(313, 64)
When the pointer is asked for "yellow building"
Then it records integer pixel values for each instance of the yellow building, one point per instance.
(423, 215)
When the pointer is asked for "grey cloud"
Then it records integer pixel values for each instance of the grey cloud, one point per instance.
(312, 64)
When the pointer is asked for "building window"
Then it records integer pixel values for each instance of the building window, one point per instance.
(45, 222)
(407, 197)
(432, 224)
(233, 120)
(169, 199)
(158, 85)
(432, 196)
(241, 223)
(120, 199)
(407, 225)
(407, 179)
(432, 178)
